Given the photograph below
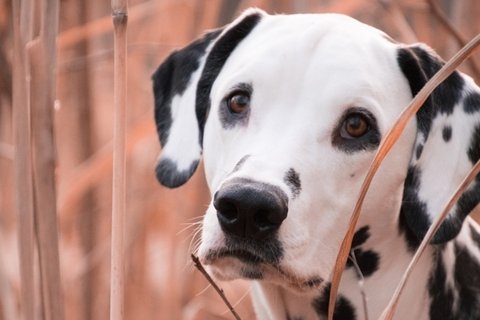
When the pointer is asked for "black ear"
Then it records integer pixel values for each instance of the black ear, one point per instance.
(446, 148)
(181, 87)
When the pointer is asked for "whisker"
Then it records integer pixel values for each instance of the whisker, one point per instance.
(238, 301)
(188, 226)
(194, 237)
(203, 291)
(200, 217)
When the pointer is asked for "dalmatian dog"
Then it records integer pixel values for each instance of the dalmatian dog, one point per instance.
(287, 112)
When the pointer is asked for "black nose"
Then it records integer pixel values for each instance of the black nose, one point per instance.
(250, 209)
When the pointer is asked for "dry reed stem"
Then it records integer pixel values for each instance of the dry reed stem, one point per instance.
(384, 148)
(117, 276)
(456, 34)
(42, 55)
(7, 294)
(220, 292)
(23, 156)
(389, 311)
(97, 27)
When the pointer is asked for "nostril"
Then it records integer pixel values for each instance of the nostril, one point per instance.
(263, 220)
(227, 210)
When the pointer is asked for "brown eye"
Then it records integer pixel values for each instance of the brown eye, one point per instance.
(238, 102)
(354, 126)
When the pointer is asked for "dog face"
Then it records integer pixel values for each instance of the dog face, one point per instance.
(289, 111)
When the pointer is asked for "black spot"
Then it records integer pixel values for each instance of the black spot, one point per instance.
(447, 133)
(172, 77)
(367, 142)
(292, 179)
(215, 62)
(169, 176)
(475, 235)
(467, 282)
(467, 202)
(418, 151)
(474, 149)
(361, 236)
(313, 282)
(413, 211)
(471, 103)
(252, 274)
(449, 92)
(229, 119)
(344, 310)
(410, 66)
(418, 66)
(240, 163)
(367, 261)
(441, 295)
(412, 240)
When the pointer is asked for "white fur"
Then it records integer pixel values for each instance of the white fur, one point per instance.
(300, 91)
(306, 71)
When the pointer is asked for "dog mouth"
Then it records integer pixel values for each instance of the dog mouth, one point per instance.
(244, 256)
(234, 263)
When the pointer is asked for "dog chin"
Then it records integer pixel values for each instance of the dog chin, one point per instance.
(227, 268)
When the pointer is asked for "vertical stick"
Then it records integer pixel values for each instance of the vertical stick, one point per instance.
(120, 17)
(42, 57)
(23, 156)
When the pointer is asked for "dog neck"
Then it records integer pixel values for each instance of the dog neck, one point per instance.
(366, 288)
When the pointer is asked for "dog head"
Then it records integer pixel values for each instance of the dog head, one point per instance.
(288, 112)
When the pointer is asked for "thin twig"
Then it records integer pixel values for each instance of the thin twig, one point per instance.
(383, 150)
(454, 32)
(220, 292)
(361, 283)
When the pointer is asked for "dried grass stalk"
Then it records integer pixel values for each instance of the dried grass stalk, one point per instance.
(102, 25)
(42, 55)
(384, 148)
(120, 17)
(23, 156)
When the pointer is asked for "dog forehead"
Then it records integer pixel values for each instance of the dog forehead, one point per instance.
(298, 48)
(306, 34)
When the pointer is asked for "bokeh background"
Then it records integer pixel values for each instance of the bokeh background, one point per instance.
(162, 224)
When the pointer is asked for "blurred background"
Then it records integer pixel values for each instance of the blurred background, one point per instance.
(161, 224)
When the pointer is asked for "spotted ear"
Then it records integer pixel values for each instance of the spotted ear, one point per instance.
(446, 148)
(174, 89)
(181, 87)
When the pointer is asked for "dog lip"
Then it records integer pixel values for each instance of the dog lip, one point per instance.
(242, 255)
(267, 271)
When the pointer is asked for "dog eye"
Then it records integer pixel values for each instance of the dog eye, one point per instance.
(238, 102)
(354, 126)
